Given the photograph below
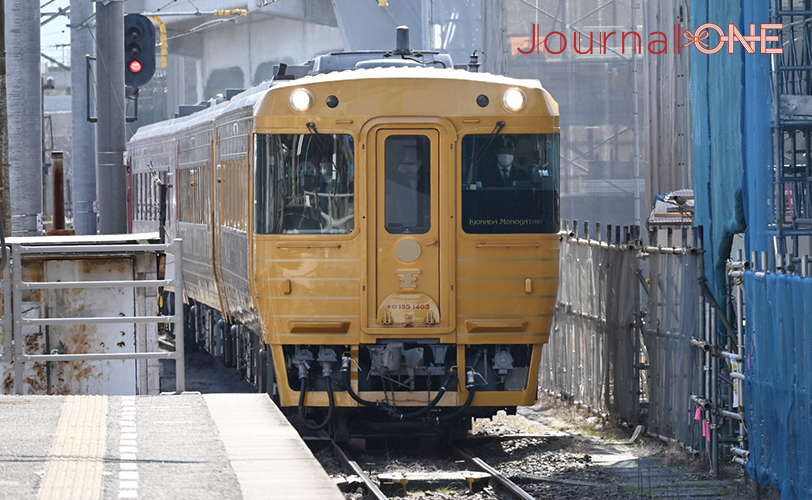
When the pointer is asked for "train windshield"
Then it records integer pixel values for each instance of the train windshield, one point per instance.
(304, 183)
(510, 184)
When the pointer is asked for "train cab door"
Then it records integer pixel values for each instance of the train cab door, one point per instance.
(407, 237)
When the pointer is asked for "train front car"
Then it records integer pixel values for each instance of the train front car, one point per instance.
(404, 248)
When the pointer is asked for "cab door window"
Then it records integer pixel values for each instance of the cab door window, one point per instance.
(408, 184)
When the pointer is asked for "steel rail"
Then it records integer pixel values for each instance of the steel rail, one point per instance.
(512, 488)
(351, 465)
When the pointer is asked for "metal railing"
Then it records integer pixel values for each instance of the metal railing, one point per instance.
(13, 287)
(6, 320)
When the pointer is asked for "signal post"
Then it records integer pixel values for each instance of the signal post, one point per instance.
(139, 51)
(123, 57)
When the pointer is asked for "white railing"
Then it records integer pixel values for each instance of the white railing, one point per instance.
(13, 287)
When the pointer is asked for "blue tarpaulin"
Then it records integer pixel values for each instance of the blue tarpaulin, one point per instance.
(732, 139)
(778, 388)
(716, 100)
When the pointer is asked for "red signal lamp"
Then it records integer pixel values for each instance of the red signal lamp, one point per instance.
(135, 66)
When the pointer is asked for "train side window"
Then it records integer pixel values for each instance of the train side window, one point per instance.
(304, 183)
(408, 184)
(510, 183)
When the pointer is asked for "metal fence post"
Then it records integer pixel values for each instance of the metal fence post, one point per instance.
(17, 325)
(179, 323)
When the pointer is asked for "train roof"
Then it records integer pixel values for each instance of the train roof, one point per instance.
(254, 95)
(411, 72)
(245, 99)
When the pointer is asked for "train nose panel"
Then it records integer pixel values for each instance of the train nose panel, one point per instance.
(408, 309)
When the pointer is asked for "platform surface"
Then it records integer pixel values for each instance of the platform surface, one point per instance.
(187, 446)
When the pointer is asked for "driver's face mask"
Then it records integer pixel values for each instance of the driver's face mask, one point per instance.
(504, 160)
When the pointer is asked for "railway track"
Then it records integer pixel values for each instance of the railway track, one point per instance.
(460, 471)
(513, 489)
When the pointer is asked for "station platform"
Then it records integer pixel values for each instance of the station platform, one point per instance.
(175, 446)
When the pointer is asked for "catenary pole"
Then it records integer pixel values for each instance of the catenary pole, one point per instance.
(5, 194)
(110, 109)
(24, 92)
(83, 155)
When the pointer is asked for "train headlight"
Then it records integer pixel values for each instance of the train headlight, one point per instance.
(514, 99)
(301, 100)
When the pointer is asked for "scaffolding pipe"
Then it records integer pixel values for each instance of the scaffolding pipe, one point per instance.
(732, 356)
(735, 374)
(714, 421)
(700, 343)
(730, 414)
(700, 401)
(672, 441)
(672, 250)
(704, 324)
(706, 291)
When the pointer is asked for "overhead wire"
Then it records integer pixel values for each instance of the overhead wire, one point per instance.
(168, 3)
(215, 22)
(197, 29)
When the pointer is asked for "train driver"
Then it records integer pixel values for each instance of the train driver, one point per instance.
(504, 174)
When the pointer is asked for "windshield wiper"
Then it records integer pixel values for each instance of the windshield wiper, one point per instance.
(495, 132)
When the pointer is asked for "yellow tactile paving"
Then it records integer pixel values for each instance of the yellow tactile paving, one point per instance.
(74, 468)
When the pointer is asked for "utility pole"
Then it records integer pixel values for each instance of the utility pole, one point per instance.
(5, 194)
(83, 156)
(111, 177)
(24, 92)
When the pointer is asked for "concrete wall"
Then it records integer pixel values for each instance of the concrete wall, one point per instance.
(243, 55)
(208, 53)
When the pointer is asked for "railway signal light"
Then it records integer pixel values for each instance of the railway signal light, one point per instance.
(139, 50)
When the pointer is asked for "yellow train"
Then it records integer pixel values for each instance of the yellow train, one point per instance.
(372, 229)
